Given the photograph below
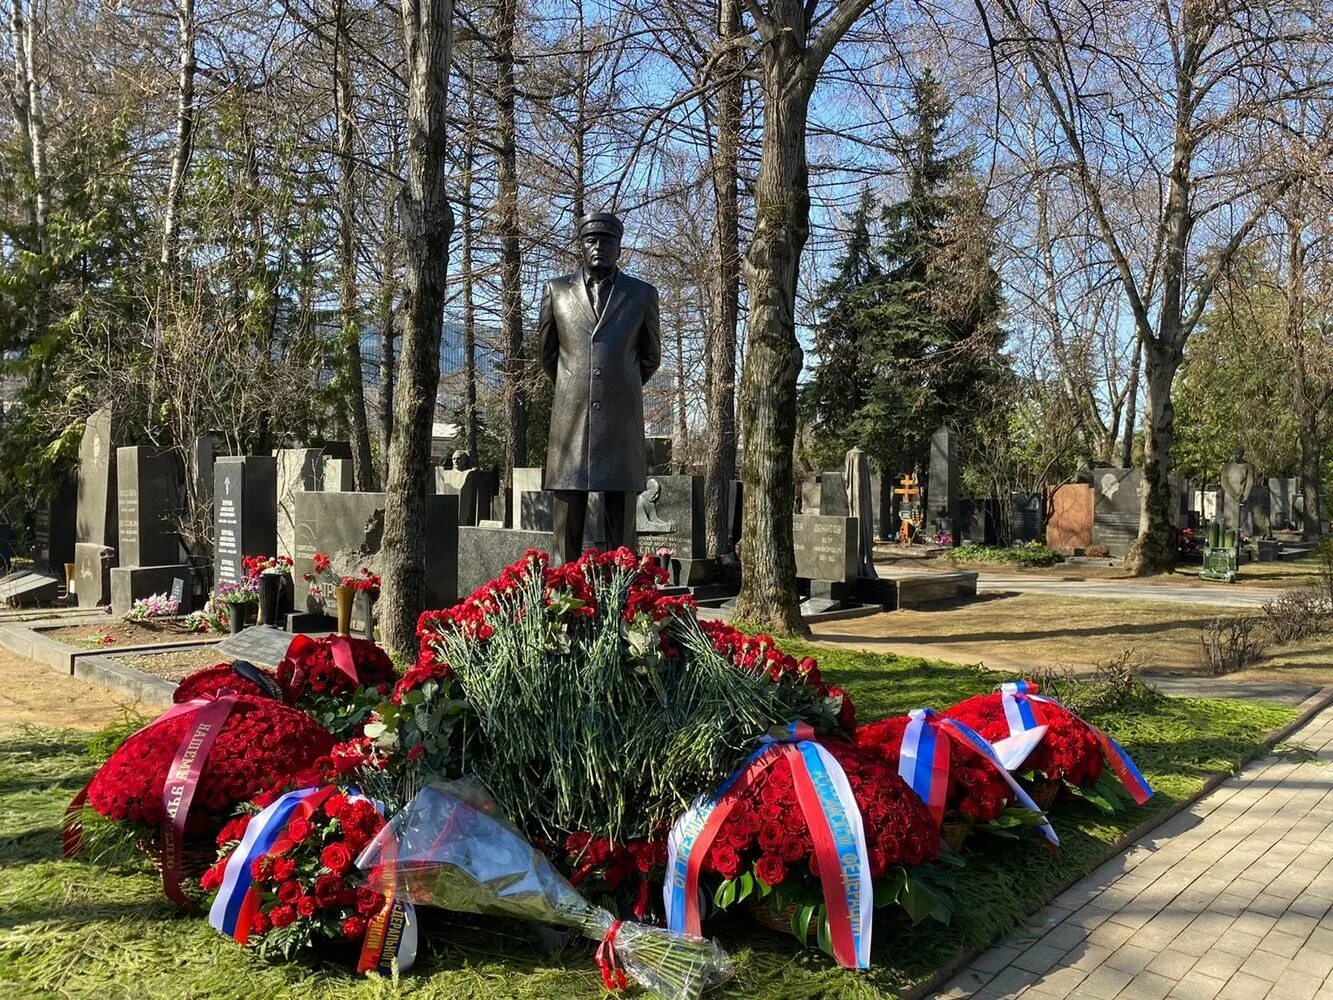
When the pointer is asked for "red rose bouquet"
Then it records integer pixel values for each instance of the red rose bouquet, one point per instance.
(283, 879)
(337, 679)
(1068, 752)
(975, 789)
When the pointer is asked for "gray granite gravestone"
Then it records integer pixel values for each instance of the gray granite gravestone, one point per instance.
(810, 496)
(299, 470)
(1258, 517)
(1282, 494)
(525, 480)
(467, 485)
(245, 512)
(535, 512)
(96, 525)
(1115, 508)
(338, 476)
(833, 495)
(943, 510)
(349, 529)
(670, 514)
(825, 547)
(483, 552)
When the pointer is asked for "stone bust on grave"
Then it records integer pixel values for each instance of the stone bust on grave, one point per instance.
(600, 342)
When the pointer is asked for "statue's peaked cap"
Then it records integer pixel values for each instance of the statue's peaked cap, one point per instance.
(601, 222)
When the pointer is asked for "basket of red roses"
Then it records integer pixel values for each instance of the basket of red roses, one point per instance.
(169, 787)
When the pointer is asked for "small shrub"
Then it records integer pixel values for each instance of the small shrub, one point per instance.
(1115, 685)
(1033, 554)
(1232, 643)
(1296, 614)
(1097, 552)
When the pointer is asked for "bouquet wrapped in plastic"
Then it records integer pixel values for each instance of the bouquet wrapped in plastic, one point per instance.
(453, 848)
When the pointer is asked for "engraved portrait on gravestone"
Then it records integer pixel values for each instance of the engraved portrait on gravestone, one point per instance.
(600, 342)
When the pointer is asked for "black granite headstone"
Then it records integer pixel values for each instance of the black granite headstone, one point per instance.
(349, 529)
(53, 530)
(1115, 508)
(246, 519)
(670, 514)
(1282, 502)
(943, 510)
(833, 495)
(148, 505)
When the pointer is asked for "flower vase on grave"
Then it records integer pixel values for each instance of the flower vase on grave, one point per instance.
(345, 596)
(363, 614)
(238, 617)
(270, 591)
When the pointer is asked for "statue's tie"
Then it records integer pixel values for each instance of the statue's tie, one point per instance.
(598, 297)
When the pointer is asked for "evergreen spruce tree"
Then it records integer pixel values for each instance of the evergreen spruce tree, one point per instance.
(909, 337)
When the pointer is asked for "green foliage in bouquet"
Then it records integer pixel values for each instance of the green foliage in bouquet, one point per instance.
(603, 706)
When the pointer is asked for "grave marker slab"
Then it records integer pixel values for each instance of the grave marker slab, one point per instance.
(349, 529)
(97, 482)
(298, 470)
(484, 552)
(148, 504)
(833, 495)
(825, 547)
(670, 514)
(1115, 508)
(245, 504)
(943, 511)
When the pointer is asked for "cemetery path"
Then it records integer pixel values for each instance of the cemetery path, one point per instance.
(1230, 900)
(1227, 596)
(31, 693)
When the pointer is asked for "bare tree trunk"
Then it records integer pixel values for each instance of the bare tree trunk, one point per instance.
(30, 122)
(469, 302)
(773, 358)
(1155, 549)
(1309, 401)
(511, 296)
(720, 388)
(1132, 406)
(184, 145)
(363, 467)
(387, 322)
(427, 226)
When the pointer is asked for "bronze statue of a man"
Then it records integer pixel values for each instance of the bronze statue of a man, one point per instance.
(600, 342)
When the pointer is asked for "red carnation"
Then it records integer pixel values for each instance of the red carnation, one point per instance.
(771, 869)
(282, 915)
(212, 879)
(336, 858)
(354, 927)
(284, 869)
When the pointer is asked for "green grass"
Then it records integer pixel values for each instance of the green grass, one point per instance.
(73, 929)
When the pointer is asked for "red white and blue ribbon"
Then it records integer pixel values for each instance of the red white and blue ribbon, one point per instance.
(391, 933)
(836, 829)
(1021, 707)
(924, 763)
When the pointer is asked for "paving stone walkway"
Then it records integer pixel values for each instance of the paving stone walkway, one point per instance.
(1229, 900)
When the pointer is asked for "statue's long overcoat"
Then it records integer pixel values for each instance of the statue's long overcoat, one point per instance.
(599, 367)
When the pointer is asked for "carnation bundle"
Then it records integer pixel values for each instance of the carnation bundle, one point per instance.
(602, 706)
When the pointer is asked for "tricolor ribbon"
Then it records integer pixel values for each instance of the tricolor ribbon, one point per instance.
(1021, 708)
(832, 817)
(390, 934)
(208, 715)
(924, 763)
(339, 647)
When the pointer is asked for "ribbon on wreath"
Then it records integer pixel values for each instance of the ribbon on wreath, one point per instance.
(1022, 710)
(836, 829)
(209, 714)
(608, 961)
(924, 763)
(339, 648)
(390, 934)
